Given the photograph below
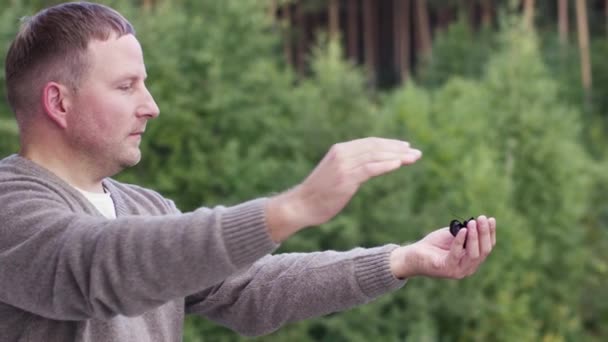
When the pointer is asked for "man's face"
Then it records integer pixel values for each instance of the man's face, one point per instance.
(107, 115)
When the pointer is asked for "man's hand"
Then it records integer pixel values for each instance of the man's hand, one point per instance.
(335, 180)
(441, 255)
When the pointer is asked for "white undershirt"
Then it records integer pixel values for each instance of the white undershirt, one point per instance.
(101, 201)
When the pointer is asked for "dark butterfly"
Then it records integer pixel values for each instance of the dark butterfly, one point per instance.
(456, 226)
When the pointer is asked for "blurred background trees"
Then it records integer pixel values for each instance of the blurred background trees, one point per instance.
(505, 98)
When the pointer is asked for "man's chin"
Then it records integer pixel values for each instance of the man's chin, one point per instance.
(130, 161)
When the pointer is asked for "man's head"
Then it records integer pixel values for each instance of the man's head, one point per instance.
(76, 73)
(52, 46)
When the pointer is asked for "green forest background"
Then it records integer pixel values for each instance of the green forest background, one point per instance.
(501, 118)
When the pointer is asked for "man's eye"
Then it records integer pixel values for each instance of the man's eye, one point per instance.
(125, 87)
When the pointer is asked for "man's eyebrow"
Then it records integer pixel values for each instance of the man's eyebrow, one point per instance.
(132, 77)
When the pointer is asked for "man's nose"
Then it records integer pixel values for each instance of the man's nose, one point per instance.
(148, 108)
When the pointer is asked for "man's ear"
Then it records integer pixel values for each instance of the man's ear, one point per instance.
(55, 101)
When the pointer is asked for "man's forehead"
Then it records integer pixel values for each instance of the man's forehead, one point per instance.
(116, 53)
(115, 59)
(126, 45)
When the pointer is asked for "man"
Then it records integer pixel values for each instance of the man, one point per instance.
(86, 258)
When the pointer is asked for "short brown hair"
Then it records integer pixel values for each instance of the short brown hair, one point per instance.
(51, 46)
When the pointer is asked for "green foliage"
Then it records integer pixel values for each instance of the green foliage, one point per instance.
(8, 132)
(457, 51)
(9, 23)
(499, 135)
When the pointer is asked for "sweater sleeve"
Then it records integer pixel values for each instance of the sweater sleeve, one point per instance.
(64, 265)
(285, 288)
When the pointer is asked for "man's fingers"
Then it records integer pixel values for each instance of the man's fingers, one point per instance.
(362, 159)
(374, 143)
(472, 240)
(457, 248)
(366, 171)
(464, 259)
(408, 157)
(492, 222)
(485, 239)
(352, 150)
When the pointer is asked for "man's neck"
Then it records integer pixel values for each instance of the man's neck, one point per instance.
(66, 168)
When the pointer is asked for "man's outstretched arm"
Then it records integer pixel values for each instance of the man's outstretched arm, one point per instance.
(290, 287)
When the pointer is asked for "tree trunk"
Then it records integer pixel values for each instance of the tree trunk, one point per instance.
(334, 18)
(369, 37)
(147, 4)
(606, 14)
(562, 9)
(287, 37)
(444, 17)
(583, 43)
(301, 36)
(423, 29)
(402, 38)
(470, 9)
(529, 13)
(352, 40)
(486, 13)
